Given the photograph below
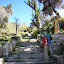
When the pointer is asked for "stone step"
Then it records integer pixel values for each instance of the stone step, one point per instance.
(31, 53)
(24, 60)
(44, 62)
(22, 51)
(28, 54)
(28, 50)
(26, 57)
(27, 60)
(36, 46)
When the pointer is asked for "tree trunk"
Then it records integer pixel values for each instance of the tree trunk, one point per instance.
(16, 29)
(54, 9)
(16, 19)
(30, 5)
(56, 12)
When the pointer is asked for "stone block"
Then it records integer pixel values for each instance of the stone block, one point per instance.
(1, 50)
(1, 61)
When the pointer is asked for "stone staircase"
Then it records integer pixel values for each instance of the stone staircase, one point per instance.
(28, 53)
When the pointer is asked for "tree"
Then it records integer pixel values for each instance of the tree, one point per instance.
(16, 20)
(35, 32)
(29, 29)
(35, 17)
(9, 28)
(3, 23)
(62, 23)
(50, 5)
(5, 13)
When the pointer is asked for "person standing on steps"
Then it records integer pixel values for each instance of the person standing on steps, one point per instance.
(49, 41)
(44, 41)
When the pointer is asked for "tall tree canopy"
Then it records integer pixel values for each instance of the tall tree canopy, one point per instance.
(50, 5)
(5, 13)
(35, 17)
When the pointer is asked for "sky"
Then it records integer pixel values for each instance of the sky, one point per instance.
(21, 10)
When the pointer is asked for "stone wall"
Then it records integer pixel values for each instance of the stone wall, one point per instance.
(6, 49)
(59, 59)
(1, 50)
(55, 46)
(57, 39)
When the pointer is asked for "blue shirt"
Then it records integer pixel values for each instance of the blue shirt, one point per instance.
(48, 39)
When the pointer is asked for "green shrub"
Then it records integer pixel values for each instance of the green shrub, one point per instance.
(25, 30)
(62, 23)
(2, 43)
(54, 41)
(26, 34)
(39, 36)
(62, 31)
(34, 34)
(49, 53)
(16, 36)
(29, 29)
(23, 36)
(21, 46)
(5, 36)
